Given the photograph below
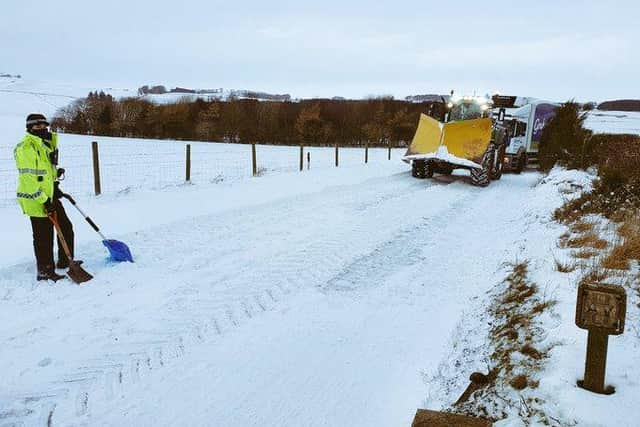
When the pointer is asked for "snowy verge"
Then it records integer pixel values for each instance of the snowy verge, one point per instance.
(546, 346)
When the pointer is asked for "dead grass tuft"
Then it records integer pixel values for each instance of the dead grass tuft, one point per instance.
(628, 248)
(542, 306)
(529, 350)
(563, 239)
(519, 382)
(581, 226)
(584, 254)
(618, 258)
(595, 275)
(630, 226)
(564, 268)
(587, 240)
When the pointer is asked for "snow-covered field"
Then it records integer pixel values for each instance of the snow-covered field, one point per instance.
(329, 297)
(614, 121)
(131, 165)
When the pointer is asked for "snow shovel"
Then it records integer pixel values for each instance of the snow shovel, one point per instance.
(75, 272)
(118, 251)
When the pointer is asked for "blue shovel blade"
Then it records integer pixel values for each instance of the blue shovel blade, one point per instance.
(118, 250)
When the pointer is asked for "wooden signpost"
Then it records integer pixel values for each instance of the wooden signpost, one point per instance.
(600, 309)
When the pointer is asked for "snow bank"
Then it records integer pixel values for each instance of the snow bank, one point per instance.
(555, 394)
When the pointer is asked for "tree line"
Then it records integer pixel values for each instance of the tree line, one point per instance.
(319, 122)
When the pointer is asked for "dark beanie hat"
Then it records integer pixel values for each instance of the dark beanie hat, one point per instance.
(35, 119)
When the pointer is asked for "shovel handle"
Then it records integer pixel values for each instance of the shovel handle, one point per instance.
(92, 224)
(54, 219)
(69, 198)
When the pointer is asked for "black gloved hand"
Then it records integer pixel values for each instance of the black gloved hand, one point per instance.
(49, 208)
(57, 193)
(61, 172)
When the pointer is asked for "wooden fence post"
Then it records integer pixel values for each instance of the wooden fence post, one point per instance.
(254, 165)
(96, 168)
(389, 156)
(188, 164)
(337, 155)
(301, 157)
(366, 153)
(308, 160)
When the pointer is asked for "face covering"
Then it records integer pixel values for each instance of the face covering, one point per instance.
(42, 133)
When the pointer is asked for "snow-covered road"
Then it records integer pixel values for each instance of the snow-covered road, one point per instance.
(316, 307)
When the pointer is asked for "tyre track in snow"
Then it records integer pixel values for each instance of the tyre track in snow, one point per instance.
(239, 275)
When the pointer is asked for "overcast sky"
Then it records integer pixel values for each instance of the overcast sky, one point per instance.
(587, 50)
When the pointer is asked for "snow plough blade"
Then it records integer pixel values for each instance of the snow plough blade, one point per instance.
(467, 139)
(427, 136)
(456, 142)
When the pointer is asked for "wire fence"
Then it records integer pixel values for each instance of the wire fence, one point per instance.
(134, 164)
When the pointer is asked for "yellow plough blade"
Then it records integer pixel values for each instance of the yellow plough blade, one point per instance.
(466, 139)
(427, 136)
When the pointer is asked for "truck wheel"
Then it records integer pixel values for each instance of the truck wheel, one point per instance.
(521, 163)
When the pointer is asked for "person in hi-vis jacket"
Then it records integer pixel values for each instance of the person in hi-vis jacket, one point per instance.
(39, 194)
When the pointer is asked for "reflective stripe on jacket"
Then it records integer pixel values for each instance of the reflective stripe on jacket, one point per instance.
(36, 174)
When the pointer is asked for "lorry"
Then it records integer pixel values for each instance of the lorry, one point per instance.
(464, 137)
(524, 124)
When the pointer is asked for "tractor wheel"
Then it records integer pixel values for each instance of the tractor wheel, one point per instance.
(428, 170)
(419, 169)
(479, 177)
(415, 169)
(498, 166)
(482, 176)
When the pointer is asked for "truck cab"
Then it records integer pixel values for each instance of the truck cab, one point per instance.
(525, 125)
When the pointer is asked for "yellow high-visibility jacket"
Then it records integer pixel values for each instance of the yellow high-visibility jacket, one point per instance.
(36, 173)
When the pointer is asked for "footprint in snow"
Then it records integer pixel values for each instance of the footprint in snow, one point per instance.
(44, 362)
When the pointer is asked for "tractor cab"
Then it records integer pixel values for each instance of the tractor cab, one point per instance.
(468, 108)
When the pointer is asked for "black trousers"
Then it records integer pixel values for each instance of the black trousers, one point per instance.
(43, 239)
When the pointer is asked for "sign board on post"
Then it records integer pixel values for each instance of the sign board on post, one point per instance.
(601, 309)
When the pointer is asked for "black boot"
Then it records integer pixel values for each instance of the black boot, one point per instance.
(49, 274)
(65, 263)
